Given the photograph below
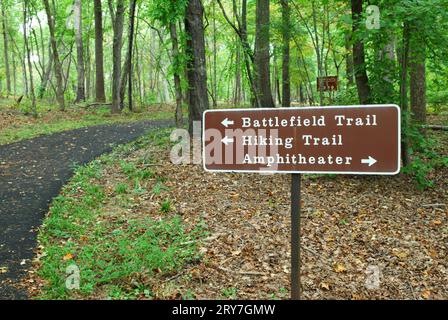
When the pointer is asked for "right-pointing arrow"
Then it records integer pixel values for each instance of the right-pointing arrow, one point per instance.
(227, 140)
(370, 161)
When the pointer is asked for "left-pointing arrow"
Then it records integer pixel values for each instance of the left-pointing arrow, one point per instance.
(226, 122)
(227, 140)
(370, 161)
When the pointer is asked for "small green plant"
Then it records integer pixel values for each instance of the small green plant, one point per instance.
(229, 293)
(188, 295)
(121, 188)
(138, 189)
(158, 188)
(166, 206)
(133, 172)
(282, 294)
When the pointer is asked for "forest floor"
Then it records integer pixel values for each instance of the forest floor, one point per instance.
(32, 172)
(17, 124)
(139, 227)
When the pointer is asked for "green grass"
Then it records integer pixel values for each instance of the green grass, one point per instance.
(117, 257)
(230, 293)
(68, 120)
(166, 206)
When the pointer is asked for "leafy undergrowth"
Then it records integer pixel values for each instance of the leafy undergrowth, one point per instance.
(99, 227)
(362, 237)
(15, 125)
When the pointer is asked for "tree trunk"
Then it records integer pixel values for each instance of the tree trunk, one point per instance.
(130, 48)
(14, 76)
(87, 68)
(318, 48)
(56, 62)
(125, 74)
(196, 66)
(405, 154)
(47, 74)
(177, 69)
(362, 80)
(81, 91)
(417, 77)
(262, 58)
(116, 52)
(248, 54)
(5, 50)
(25, 38)
(237, 96)
(215, 60)
(348, 60)
(286, 82)
(99, 66)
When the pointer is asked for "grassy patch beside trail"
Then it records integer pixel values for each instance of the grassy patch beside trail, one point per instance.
(101, 225)
(16, 126)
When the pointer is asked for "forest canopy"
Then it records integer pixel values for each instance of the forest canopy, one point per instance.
(198, 55)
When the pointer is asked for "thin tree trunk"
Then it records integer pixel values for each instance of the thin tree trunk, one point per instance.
(362, 80)
(33, 98)
(318, 54)
(177, 69)
(16, 52)
(241, 31)
(405, 155)
(262, 57)
(116, 52)
(348, 60)
(215, 59)
(5, 50)
(130, 48)
(57, 63)
(99, 66)
(127, 62)
(417, 76)
(196, 68)
(87, 68)
(286, 82)
(81, 91)
(237, 96)
(14, 76)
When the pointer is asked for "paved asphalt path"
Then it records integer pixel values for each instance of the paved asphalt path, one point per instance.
(32, 173)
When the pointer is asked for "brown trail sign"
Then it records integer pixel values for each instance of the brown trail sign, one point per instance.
(327, 83)
(345, 140)
(342, 140)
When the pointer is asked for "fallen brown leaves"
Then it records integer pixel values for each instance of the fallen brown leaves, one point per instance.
(348, 224)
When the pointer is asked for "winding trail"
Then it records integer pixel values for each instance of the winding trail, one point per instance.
(32, 173)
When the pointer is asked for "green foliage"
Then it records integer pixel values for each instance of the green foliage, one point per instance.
(424, 156)
(166, 206)
(131, 170)
(420, 170)
(110, 251)
(167, 12)
(121, 188)
(230, 293)
(158, 188)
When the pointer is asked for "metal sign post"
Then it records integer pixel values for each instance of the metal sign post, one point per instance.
(295, 235)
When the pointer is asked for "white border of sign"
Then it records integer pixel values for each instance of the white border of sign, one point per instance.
(305, 172)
